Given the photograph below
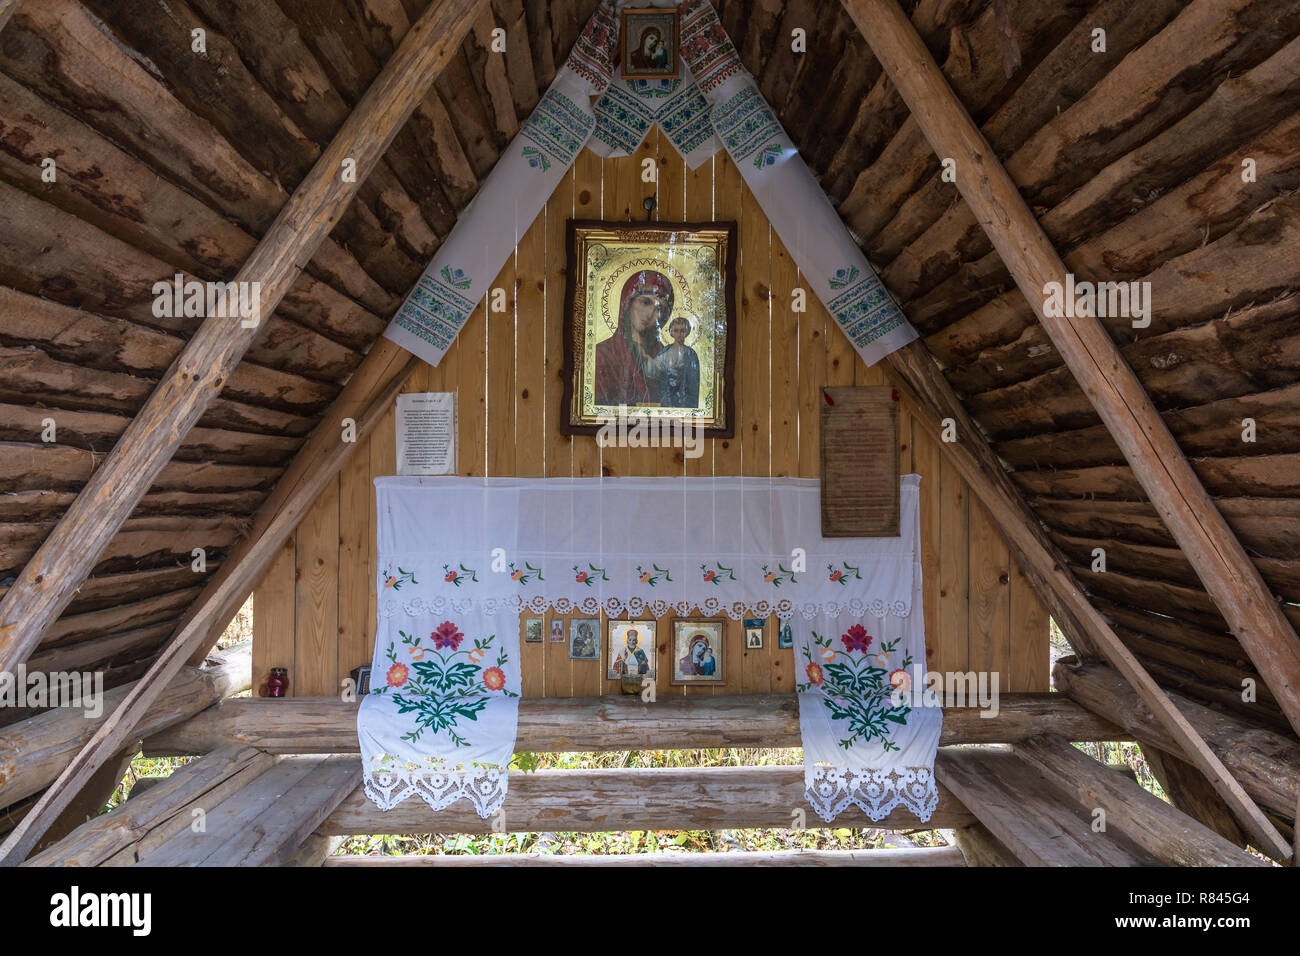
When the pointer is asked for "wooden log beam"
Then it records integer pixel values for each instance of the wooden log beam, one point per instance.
(382, 374)
(323, 725)
(264, 823)
(595, 801)
(35, 750)
(150, 819)
(1191, 793)
(1161, 829)
(918, 376)
(93, 796)
(1090, 353)
(1040, 824)
(7, 8)
(918, 856)
(66, 557)
(51, 578)
(979, 847)
(1114, 391)
(1266, 762)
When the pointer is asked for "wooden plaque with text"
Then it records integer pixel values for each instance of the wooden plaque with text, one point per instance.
(859, 462)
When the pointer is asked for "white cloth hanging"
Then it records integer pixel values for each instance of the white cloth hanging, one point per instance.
(460, 558)
(714, 104)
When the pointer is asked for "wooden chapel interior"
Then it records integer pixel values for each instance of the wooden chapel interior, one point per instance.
(1130, 164)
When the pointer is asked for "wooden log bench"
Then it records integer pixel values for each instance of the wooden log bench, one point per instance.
(610, 723)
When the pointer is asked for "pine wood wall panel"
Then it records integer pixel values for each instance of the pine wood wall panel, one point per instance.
(315, 612)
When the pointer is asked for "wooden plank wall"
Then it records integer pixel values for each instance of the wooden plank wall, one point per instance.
(315, 611)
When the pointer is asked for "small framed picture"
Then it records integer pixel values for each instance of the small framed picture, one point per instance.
(649, 38)
(631, 649)
(532, 630)
(697, 651)
(754, 628)
(557, 630)
(584, 639)
(785, 638)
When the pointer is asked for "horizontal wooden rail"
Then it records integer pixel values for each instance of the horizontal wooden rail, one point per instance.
(34, 751)
(595, 801)
(1265, 761)
(307, 725)
(918, 856)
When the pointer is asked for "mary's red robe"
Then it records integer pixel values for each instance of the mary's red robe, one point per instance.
(618, 376)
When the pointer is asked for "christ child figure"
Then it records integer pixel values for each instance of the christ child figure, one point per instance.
(677, 368)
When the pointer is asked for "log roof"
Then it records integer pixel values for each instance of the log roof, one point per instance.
(1132, 159)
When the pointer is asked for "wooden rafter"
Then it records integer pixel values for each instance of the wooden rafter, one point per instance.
(1084, 344)
(196, 378)
(1117, 395)
(67, 556)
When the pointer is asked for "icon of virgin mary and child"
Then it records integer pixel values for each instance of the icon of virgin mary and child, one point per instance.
(633, 366)
(698, 661)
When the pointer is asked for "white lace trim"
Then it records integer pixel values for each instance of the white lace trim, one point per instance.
(484, 787)
(635, 606)
(830, 789)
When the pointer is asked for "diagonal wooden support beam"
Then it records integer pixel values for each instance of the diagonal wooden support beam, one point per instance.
(316, 465)
(195, 379)
(916, 373)
(68, 555)
(1091, 355)
(1087, 349)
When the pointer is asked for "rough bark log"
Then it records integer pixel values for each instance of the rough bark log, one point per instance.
(328, 725)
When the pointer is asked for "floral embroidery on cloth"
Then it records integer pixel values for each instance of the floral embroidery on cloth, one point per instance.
(440, 723)
(866, 741)
(715, 104)
(471, 554)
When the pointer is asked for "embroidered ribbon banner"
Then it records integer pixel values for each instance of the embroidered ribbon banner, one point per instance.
(459, 558)
(714, 104)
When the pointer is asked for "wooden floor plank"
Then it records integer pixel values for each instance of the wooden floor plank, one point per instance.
(1037, 822)
(224, 822)
(1160, 828)
(276, 834)
(150, 819)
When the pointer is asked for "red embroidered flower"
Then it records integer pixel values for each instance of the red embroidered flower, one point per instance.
(446, 636)
(710, 575)
(451, 577)
(516, 575)
(836, 575)
(815, 673)
(857, 638)
(582, 577)
(390, 581)
(494, 678)
(397, 675)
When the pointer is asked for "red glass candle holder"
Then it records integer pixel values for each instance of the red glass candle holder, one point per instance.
(277, 685)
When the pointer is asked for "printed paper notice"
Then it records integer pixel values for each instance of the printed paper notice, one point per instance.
(426, 433)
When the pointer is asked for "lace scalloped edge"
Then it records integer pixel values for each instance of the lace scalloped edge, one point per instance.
(830, 789)
(484, 787)
(617, 607)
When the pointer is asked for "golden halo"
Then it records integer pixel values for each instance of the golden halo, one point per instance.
(612, 288)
